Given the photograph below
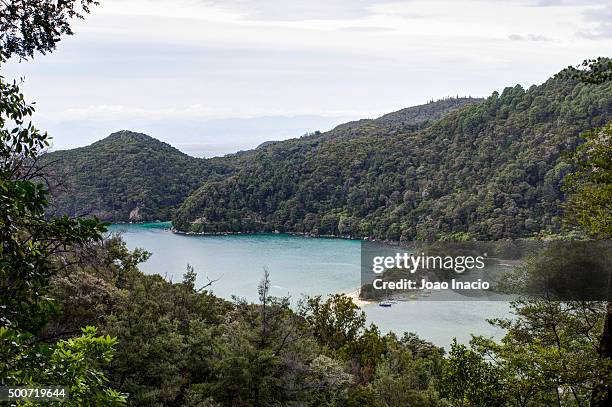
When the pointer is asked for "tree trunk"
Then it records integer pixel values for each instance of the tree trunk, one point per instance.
(602, 392)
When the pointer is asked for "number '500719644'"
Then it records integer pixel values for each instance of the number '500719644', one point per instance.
(33, 393)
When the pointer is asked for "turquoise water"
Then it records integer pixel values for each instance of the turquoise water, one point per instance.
(300, 266)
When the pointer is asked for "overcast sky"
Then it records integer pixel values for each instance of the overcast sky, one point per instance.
(212, 77)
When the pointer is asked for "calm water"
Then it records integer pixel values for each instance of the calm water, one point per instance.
(301, 266)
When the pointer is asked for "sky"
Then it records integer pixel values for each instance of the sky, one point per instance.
(214, 77)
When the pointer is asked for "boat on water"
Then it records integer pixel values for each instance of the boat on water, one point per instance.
(385, 303)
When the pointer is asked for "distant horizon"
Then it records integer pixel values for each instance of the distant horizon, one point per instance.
(203, 150)
(227, 75)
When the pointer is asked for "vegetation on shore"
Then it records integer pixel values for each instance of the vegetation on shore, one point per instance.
(493, 170)
(161, 343)
(125, 177)
(486, 169)
(132, 177)
(168, 344)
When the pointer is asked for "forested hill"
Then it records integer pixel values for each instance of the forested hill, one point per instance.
(491, 170)
(126, 176)
(133, 177)
(408, 119)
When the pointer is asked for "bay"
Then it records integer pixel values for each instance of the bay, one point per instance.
(300, 266)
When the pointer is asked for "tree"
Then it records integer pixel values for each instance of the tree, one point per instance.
(32, 245)
(468, 380)
(408, 374)
(336, 322)
(79, 362)
(594, 71)
(590, 193)
(27, 26)
(34, 248)
(264, 356)
(589, 205)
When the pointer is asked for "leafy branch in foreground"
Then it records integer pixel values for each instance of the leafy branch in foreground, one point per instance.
(27, 26)
(34, 249)
(547, 357)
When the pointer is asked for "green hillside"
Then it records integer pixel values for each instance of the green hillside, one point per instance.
(126, 176)
(133, 177)
(492, 170)
(408, 119)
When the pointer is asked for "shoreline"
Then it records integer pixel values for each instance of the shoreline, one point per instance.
(354, 296)
(298, 234)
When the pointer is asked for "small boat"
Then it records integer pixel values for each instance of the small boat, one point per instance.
(385, 304)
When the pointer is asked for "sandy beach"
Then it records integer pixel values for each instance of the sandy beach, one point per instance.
(354, 295)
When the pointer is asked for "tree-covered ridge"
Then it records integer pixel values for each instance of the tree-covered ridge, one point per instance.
(126, 176)
(493, 170)
(130, 176)
(410, 118)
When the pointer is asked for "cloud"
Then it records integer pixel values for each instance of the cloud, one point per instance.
(561, 3)
(299, 10)
(144, 61)
(195, 111)
(599, 23)
(529, 37)
(367, 29)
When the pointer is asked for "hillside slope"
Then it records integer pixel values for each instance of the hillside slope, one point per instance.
(126, 176)
(408, 119)
(492, 170)
(130, 176)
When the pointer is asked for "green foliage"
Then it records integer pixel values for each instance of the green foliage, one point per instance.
(548, 356)
(594, 71)
(132, 177)
(30, 241)
(411, 118)
(590, 200)
(491, 170)
(125, 177)
(336, 321)
(34, 250)
(409, 373)
(471, 381)
(77, 362)
(180, 345)
(27, 26)
(363, 396)
(590, 186)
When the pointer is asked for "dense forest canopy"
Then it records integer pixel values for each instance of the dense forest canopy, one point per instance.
(126, 176)
(484, 168)
(159, 343)
(492, 170)
(130, 176)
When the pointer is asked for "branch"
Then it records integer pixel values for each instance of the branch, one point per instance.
(210, 282)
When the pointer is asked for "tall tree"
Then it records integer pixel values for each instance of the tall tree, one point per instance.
(590, 192)
(590, 207)
(33, 247)
(33, 250)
